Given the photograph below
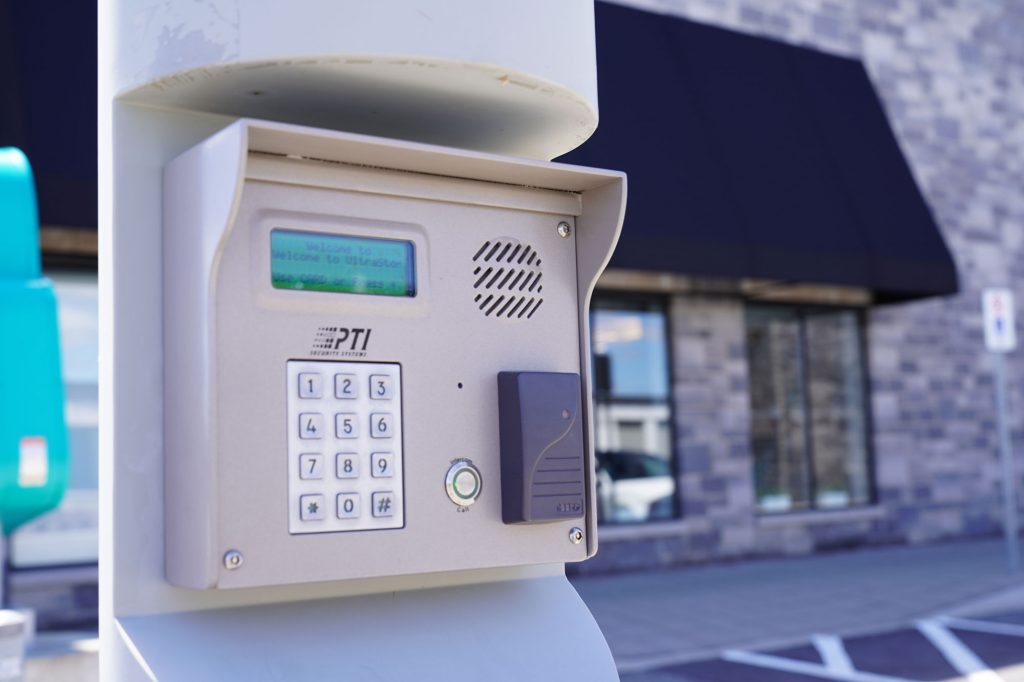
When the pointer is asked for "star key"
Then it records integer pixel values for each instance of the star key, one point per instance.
(311, 507)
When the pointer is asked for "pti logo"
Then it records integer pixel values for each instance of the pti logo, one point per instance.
(341, 342)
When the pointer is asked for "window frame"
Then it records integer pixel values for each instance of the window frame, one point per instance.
(801, 312)
(640, 302)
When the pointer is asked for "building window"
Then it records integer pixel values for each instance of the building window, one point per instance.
(808, 402)
(633, 414)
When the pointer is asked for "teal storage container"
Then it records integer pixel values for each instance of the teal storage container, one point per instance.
(33, 435)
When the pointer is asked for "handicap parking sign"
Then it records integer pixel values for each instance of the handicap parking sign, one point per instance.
(1000, 327)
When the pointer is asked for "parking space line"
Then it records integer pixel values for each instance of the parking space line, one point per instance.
(803, 667)
(986, 626)
(833, 653)
(963, 660)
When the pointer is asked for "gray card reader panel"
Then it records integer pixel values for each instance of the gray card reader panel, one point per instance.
(542, 447)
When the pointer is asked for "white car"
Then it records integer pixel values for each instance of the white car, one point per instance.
(634, 486)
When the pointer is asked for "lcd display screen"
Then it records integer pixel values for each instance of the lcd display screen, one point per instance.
(315, 261)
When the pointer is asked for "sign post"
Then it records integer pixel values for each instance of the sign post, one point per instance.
(1001, 338)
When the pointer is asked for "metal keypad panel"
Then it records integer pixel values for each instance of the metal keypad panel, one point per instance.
(344, 446)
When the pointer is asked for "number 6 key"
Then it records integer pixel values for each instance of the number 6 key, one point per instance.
(380, 425)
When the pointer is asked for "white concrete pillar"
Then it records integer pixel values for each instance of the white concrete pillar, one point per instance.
(509, 77)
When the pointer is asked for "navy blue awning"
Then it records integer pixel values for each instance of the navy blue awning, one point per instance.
(750, 158)
(48, 103)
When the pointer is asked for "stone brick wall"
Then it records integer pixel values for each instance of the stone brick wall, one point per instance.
(950, 74)
(712, 413)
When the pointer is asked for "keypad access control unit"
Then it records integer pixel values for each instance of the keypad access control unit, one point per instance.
(375, 357)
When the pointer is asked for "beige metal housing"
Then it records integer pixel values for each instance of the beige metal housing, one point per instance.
(228, 334)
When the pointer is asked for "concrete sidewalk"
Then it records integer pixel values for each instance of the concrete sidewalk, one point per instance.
(63, 656)
(658, 618)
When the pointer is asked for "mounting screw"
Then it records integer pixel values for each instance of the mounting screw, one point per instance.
(564, 229)
(233, 559)
(575, 535)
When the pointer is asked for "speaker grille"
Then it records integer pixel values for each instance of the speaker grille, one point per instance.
(507, 279)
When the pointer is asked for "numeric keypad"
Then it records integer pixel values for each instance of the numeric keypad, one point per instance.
(344, 446)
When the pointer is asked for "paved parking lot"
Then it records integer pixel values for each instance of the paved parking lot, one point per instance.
(657, 619)
(946, 649)
(936, 649)
(891, 614)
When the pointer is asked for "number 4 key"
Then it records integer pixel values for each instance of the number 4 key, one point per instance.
(311, 426)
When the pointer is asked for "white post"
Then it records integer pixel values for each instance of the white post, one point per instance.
(510, 77)
(1011, 528)
(1001, 338)
(12, 646)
